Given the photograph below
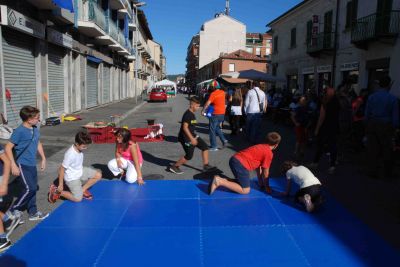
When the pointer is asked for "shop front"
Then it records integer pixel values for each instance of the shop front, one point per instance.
(324, 78)
(309, 80)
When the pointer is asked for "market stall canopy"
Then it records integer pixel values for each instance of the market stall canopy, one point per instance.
(252, 74)
(165, 83)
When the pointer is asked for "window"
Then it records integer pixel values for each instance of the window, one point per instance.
(293, 38)
(249, 49)
(231, 67)
(309, 32)
(351, 13)
(258, 51)
(275, 44)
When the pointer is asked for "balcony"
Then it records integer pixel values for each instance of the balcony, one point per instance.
(112, 37)
(132, 25)
(92, 21)
(324, 42)
(376, 27)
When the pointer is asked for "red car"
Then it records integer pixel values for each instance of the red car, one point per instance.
(158, 94)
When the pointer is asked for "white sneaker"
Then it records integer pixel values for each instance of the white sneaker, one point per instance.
(308, 203)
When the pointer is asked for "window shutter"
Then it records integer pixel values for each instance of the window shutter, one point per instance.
(349, 14)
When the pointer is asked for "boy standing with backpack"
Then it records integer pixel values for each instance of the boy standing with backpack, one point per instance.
(25, 141)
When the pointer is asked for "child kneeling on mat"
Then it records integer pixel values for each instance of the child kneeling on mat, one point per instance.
(77, 177)
(310, 187)
(127, 158)
(258, 157)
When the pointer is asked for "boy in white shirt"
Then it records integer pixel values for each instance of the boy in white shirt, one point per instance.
(78, 178)
(310, 187)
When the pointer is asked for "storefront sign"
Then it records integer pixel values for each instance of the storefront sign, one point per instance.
(20, 22)
(309, 70)
(326, 68)
(349, 66)
(59, 38)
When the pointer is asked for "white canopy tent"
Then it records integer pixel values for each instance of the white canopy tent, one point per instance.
(166, 83)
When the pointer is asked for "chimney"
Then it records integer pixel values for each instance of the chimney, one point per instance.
(227, 9)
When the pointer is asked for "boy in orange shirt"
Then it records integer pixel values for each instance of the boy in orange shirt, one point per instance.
(258, 157)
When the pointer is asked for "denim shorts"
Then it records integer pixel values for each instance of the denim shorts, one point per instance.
(240, 172)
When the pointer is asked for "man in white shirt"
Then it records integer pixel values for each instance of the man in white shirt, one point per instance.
(255, 104)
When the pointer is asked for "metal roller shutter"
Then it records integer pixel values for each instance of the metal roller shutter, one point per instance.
(56, 79)
(92, 85)
(106, 84)
(19, 72)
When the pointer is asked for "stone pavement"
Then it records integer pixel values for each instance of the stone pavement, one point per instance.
(375, 202)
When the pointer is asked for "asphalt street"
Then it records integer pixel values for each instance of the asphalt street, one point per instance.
(376, 202)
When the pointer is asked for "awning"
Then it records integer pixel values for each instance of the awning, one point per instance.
(94, 59)
(234, 80)
(66, 4)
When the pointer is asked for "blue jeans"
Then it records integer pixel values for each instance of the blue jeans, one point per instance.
(215, 130)
(27, 182)
(253, 124)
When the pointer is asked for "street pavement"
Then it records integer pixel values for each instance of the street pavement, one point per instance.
(376, 202)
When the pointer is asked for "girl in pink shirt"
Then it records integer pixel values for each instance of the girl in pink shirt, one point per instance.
(128, 157)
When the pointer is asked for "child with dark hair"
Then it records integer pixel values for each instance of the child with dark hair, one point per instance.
(258, 157)
(25, 141)
(310, 187)
(190, 140)
(127, 158)
(77, 177)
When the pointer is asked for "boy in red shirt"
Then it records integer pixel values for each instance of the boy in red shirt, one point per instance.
(258, 157)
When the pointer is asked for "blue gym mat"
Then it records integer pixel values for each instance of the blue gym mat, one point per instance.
(175, 223)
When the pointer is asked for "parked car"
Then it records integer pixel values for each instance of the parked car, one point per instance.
(158, 94)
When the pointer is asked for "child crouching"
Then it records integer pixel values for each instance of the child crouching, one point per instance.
(310, 187)
(78, 178)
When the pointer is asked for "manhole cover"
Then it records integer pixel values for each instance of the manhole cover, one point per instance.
(153, 177)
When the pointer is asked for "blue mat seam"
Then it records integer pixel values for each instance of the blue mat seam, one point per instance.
(200, 232)
(114, 230)
(289, 234)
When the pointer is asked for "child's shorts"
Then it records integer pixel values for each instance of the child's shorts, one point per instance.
(241, 173)
(313, 190)
(189, 148)
(75, 186)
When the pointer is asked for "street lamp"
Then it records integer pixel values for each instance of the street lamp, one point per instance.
(136, 6)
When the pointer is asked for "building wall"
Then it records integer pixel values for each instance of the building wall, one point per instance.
(220, 35)
(296, 61)
(243, 65)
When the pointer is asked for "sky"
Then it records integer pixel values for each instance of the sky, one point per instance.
(173, 23)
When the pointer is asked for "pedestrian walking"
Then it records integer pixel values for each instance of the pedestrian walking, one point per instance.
(327, 129)
(382, 118)
(255, 105)
(190, 140)
(300, 120)
(217, 99)
(257, 157)
(25, 141)
(236, 101)
(77, 177)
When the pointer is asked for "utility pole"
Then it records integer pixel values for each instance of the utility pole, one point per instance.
(335, 45)
(227, 8)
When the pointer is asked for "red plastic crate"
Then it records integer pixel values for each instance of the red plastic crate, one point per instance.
(98, 135)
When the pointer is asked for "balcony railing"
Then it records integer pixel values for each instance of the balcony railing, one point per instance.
(97, 16)
(113, 30)
(375, 26)
(121, 38)
(322, 42)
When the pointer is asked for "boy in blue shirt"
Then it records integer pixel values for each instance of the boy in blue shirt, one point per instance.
(25, 142)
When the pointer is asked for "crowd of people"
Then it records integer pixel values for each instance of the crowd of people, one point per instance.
(338, 121)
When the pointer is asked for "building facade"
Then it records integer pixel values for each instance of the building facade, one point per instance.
(322, 43)
(229, 62)
(64, 61)
(192, 62)
(259, 44)
(223, 34)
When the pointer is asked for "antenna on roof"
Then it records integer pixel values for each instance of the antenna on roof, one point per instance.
(227, 8)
